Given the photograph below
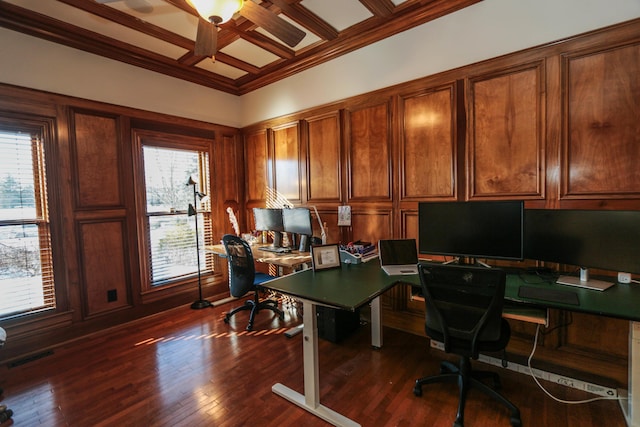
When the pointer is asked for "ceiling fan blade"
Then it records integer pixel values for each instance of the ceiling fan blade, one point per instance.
(141, 6)
(206, 39)
(288, 33)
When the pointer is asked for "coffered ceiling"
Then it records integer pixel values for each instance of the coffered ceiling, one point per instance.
(159, 35)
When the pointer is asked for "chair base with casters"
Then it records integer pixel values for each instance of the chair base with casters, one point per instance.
(463, 310)
(467, 378)
(255, 305)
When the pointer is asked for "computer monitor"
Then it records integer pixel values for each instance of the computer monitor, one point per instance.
(604, 239)
(477, 230)
(298, 222)
(270, 219)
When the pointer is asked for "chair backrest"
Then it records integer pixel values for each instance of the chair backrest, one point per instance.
(242, 270)
(463, 305)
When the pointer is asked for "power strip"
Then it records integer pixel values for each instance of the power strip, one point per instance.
(538, 373)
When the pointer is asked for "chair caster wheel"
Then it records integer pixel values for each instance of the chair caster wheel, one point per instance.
(458, 424)
(226, 320)
(417, 391)
(516, 422)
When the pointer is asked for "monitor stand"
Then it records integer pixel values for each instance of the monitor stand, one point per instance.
(305, 243)
(584, 282)
(277, 239)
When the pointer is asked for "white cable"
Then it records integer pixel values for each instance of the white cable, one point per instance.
(573, 402)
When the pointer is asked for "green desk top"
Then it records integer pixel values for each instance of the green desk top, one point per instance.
(347, 287)
(352, 286)
(620, 301)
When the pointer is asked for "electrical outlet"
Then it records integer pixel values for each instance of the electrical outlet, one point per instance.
(624, 277)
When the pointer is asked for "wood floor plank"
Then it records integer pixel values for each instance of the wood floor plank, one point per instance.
(188, 368)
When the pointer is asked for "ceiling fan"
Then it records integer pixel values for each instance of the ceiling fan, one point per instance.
(141, 6)
(216, 12)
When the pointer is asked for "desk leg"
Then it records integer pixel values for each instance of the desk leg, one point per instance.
(376, 324)
(631, 407)
(310, 401)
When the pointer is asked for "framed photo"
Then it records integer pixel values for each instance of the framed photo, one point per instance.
(324, 257)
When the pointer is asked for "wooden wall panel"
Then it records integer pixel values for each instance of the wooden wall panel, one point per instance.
(371, 225)
(227, 178)
(506, 131)
(428, 144)
(286, 161)
(608, 338)
(96, 145)
(324, 181)
(602, 144)
(409, 224)
(369, 153)
(104, 265)
(256, 166)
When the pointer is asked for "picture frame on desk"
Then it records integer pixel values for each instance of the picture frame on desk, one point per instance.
(325, 257)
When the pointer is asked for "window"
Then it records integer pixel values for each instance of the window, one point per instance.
(26, 267)
(171, 234)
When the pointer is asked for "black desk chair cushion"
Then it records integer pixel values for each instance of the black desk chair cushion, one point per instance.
(464, 312)
(244, 279)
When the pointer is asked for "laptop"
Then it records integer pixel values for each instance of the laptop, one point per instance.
(398, 256)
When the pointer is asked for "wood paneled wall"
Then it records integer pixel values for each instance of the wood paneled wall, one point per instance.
(94, 175)
(556, 126)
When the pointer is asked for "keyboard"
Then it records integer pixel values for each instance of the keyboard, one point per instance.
(275, 250)
(550, 295)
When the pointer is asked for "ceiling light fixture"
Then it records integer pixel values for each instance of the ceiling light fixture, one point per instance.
(216, 11)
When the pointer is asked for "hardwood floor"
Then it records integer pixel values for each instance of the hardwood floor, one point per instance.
(188, 368)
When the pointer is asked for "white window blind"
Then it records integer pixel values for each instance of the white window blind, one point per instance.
(26, 268)
(171, 232)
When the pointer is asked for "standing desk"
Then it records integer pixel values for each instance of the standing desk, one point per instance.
(347, 287)
(293, 259)
(352, 286)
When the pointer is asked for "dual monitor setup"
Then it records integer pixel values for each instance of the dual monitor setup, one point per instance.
(602, 239)
(296, 221)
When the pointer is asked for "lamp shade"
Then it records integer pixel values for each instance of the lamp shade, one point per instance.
(216, 11)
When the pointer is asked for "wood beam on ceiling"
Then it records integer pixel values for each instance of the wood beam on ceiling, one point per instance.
(380, 8)
(307, 19)
(35, 24)
(354, 38)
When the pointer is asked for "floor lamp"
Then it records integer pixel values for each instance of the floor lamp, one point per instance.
(200, 302)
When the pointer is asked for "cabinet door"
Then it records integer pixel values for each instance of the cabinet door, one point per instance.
(506, 134)
(601, 144)
(428, 144)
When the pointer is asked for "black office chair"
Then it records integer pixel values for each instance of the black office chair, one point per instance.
(464, 311)
(243, 279)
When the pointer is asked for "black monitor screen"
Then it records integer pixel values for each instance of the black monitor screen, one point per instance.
(267, 219)
(604, 239)
(484, 229)
(297, 220)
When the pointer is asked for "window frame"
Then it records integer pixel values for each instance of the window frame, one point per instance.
(46, 198)
(178, 142)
